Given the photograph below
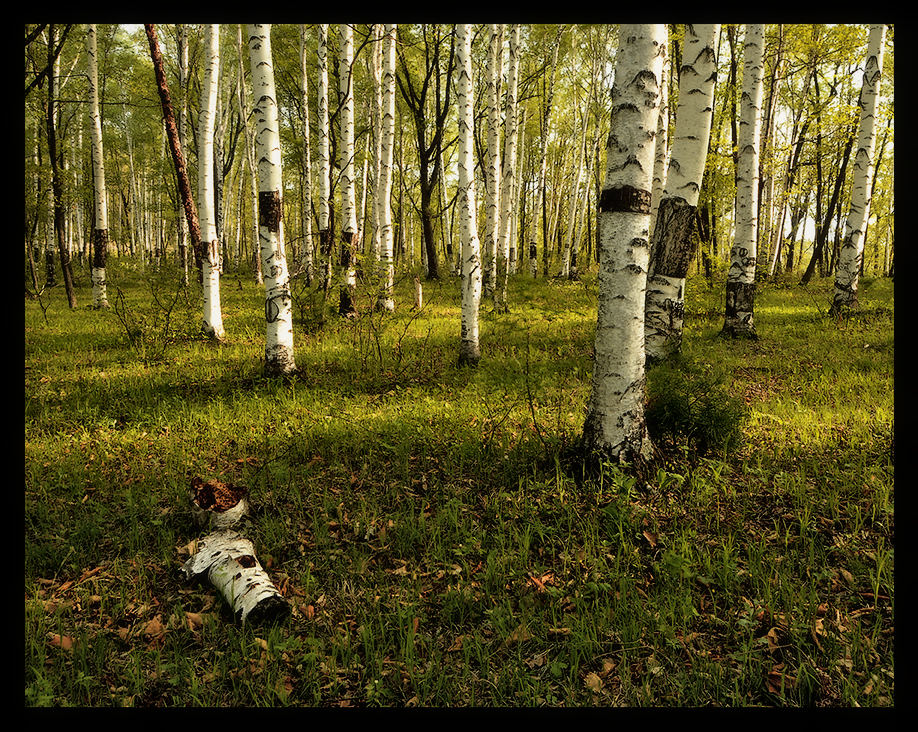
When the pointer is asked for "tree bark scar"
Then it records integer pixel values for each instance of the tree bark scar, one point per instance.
(624, 198)
(99, 247)
(269, 210)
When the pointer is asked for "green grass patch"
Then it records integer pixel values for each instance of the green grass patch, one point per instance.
(419, 518)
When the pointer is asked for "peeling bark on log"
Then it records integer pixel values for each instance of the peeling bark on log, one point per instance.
(227, 558)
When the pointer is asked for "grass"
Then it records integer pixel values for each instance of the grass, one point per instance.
(423, 523)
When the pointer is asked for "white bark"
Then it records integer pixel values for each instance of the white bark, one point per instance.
(661, 155)
(615, 424)
(213, 316)
(509, 165)
(226, 558)
(306, 248)
(346, 164)
(376, 54)
(740, 295)
(249, 154)
(384, 186)
(468, 217)
(323, 131)
(100, 232)
(492, 200)
(278, 311)
(852, 251)
(671, 241)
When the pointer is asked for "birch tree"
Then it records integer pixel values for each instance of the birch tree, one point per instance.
(508, 169)
(852, 250)
(278, 310)
(213, 316)
(348, 274)
(615, 426)
(306, 254)
(740, 299)
(672, 245)
(384, 186)
(469, 351)
(492, 187)
(100, 227)
(241, 101)
(324, 154)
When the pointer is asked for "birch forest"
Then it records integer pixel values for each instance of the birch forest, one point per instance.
(443, 365)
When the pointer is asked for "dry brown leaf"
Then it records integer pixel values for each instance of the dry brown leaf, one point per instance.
(651, 538)
(64, 642)
(195, 621)
(593, 682)
(154, 627)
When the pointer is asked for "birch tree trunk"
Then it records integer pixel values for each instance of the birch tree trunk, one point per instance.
(348, 274)
(182, 34)
(661, 154)
(241, 100)
(492, 200)
(740, 291)
(672, 245)
(213, 316)
(100, 228)
(57, 188)
(543, 172)
(384, 185)
(306, 264)
(376, 137)
(175, 145)
(615, 426)
(508, 169)
(469, 350)
(325, 232)
(278, 311)
(852, 251)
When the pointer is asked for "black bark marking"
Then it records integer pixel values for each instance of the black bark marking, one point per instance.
(269, 210)
(624, 198)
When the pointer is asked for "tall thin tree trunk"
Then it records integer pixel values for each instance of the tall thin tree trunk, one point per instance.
(57, 188)
(100, 227)
(306, 265)
(740, 294)
(492, 199)
(852, 250)
(242, 100)
(469, 350)
(615, 426)
(672, 245)
(508, 171)
(326, 235)
(278, 312)
(213, 316)
(384, 186)
(348, 275)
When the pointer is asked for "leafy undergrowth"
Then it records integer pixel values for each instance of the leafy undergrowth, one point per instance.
(422, 522)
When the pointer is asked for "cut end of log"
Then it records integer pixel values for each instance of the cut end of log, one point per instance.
(222, 505)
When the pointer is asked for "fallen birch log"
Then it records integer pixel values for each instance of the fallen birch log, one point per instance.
(227, 558)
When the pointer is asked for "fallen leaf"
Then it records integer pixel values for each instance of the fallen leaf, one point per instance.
(651, 538)
(593, 682)
(195, 620)
(154, 627)
(64, 642)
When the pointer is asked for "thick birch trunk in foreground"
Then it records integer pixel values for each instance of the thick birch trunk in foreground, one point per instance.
(469, 350)
(672, 245)
(384, 186)
(615, 426)
(278, 310)
(213, 316)
(740, 295)
(227, 559)
(348, 274)
(100, 228)
(847, 274)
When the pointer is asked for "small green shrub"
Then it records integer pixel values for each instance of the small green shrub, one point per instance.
(688, 406)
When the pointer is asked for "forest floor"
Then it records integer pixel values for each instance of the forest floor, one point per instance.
(425, 523)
